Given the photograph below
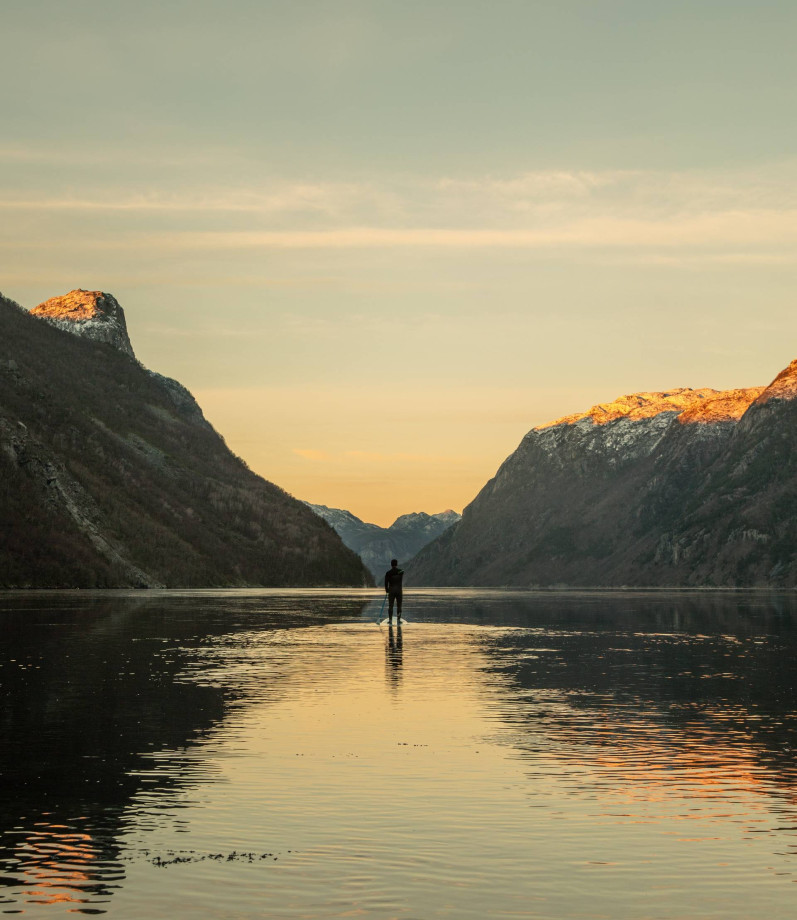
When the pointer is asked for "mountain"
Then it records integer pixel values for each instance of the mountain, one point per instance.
(110, 475)
(376, 545)
(679, 488)
(90, 314)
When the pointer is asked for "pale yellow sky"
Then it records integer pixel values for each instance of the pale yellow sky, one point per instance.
(381, 241)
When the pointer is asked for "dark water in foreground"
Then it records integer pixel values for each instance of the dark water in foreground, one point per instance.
(265, 754)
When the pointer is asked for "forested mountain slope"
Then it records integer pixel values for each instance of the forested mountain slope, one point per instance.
(111, 476)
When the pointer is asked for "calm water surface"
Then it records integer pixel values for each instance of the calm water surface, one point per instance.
(250, 754)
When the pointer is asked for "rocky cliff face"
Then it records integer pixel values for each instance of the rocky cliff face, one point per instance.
(110, 476)
(91, 314)
(686, 487)
(98, 316)
(376, 546)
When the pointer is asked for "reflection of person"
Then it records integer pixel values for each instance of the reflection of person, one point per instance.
(394, 653)
(393, 584)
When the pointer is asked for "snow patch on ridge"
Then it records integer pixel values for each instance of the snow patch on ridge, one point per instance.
(632, 425)
(637, 406)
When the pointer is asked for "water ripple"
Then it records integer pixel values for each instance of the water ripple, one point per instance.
(506, 754)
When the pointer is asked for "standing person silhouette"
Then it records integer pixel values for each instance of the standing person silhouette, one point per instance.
(393, 583)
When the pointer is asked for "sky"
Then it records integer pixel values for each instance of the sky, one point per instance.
(380, 241)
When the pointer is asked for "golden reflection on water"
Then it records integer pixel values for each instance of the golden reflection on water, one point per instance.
(439, 769)
(425, 760)
(57, 865)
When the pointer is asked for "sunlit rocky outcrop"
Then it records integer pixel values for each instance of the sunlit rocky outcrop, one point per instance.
(92, 314)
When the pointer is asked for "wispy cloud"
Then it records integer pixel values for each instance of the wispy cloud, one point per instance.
(62, 156)
(366, 456)
(350, 458)
(754, 238)
(723, 229)
(318, 456)
(421, 200)
(301, 197)
(540, 184)
(732, 216)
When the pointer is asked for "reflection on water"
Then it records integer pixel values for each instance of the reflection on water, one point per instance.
(266, 754)
(62, 866)
(394, 655)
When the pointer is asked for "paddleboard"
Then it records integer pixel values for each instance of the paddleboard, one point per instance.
(386, 622)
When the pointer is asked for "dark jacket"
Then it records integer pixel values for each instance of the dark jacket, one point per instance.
(393, 579)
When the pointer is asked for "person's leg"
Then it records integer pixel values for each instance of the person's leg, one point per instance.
(398, 606)
(391, 597)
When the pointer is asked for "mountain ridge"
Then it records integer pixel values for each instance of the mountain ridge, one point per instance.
(676, 488)
(376, 545)
(110, 476)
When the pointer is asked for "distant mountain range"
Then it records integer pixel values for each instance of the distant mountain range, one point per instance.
(678, 488)
(377, 545)
(110, 475)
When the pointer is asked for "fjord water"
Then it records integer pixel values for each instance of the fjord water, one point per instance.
(505, 754)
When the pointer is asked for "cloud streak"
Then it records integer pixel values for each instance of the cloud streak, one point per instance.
(349, 458)
(742, 232)
(732, 228)
(721, 215)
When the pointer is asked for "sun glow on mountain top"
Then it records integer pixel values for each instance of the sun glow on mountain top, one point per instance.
(705, 405)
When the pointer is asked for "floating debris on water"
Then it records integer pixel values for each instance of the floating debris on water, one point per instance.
(191, 856)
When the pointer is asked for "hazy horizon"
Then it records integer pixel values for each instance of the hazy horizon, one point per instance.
(379, 242)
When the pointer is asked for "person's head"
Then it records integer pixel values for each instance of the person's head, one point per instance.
(394, 562)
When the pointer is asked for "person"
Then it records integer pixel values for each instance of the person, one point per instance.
(393, 584)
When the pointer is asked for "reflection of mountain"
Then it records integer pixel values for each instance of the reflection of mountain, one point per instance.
(96, 709)
(644, 686)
